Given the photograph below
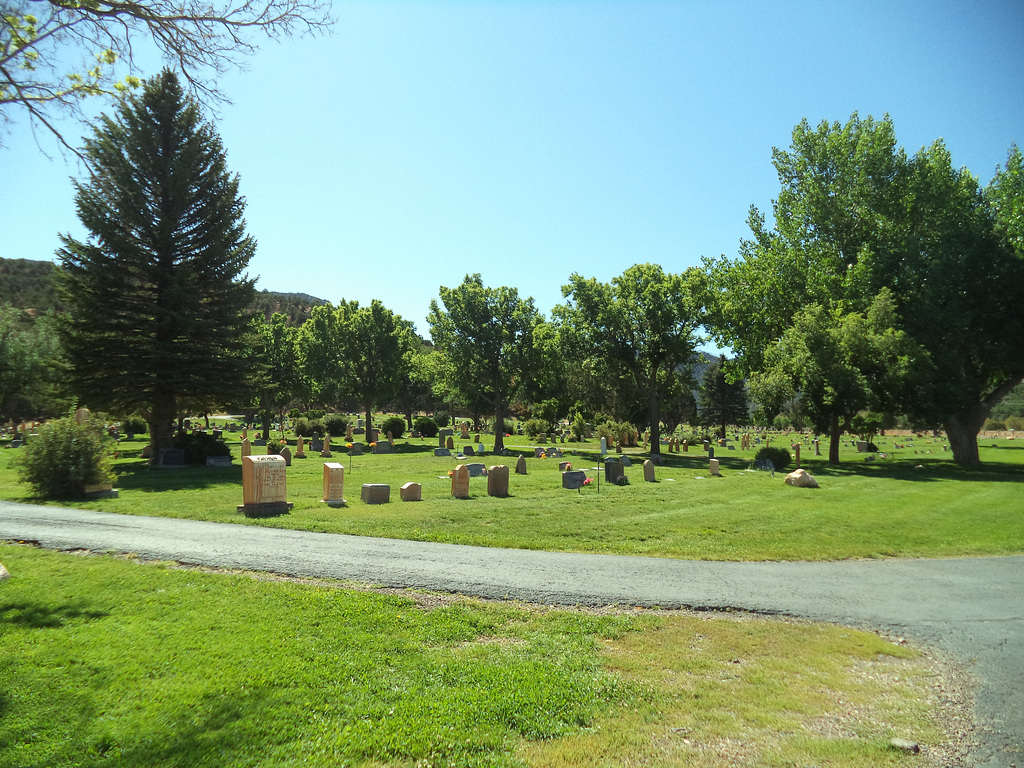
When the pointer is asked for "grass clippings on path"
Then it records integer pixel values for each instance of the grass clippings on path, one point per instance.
(110, 662)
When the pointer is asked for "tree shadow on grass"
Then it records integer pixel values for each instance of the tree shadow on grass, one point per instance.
(921, 469)
(142, 477)
(39, 616)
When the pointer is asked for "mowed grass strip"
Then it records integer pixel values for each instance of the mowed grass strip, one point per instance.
(110, 662)
(911, 504)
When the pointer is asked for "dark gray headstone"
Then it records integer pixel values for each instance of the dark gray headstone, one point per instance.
(626, 461)
(172, 457)
(573, 479)
(442, 452)
(476, 470)
(613, 470)
(218, 461)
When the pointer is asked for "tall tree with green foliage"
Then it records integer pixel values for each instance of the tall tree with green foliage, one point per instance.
(30, 363)
(840, 365)
(720, 401)
(356, 351)
(485, 336)
(856, 215)
(638, 332)
(274, 365)
(157, 292)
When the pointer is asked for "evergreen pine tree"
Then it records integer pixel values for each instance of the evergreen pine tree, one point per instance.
(720, 402)
(156, 293)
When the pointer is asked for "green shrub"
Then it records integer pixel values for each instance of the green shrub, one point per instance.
(426, 426)
(198, 445)
(779, 456)
(781, 423)
(64, 458)
(395, 425)
(135, 425)
(315, 415)
(1015, 422)
(336, 425)
(535, 427)
(994, 425)
(294, 413)
(306, 428)
(443, 418)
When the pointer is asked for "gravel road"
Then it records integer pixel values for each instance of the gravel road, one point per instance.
(973, 608)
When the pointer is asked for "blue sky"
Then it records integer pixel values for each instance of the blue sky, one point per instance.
(529, 140)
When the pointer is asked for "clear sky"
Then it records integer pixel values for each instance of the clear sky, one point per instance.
(527, 140)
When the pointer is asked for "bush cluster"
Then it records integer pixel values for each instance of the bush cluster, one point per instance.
(535, 427)
(780, 457)
(336, 425)
(393, 424)
(426, 426)
(135, 425)
(199, 445)
(305, 428)
(64, 458)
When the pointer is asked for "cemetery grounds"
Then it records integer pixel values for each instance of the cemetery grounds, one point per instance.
(111, 661)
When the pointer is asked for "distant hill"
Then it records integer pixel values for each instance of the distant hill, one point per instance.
(28, 285)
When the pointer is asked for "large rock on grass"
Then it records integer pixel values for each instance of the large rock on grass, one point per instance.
(799, 478)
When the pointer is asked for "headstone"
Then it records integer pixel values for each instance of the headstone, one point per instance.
(862, 446)
(648, 472)
(817, 447)
(326, 452)
(356, 449)
(264, 486)
(618, 447)
(476, 438)
(465, 431)
(613, 470)
(446, 432)
(707, 445)
(316, 444)
(334, 484)
(713, 467)
(415, 433)
(17, 443)
(796, 454)
(360, 423)
(542, 438)
(468, 450)
(375, 493)
(391, 440)
(573, 479)
(686, 446)
(538, 452)
(172, 457)
(382, 447)
(411, 492)
(604, 446)
(626, 461)
(460, 482)
(476, 470)
(442, 452)
(564, 466)
(82, 416)
(521, 465)
(711, 451)
(245, 448)
(259, 441)
(300, 451)
(286, 454)
(348, 433)
(497, 481)
(218, 461)
(449, 443)
(374, 435)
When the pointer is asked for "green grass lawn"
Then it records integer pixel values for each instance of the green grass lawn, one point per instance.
(111, 662)
(914, 503)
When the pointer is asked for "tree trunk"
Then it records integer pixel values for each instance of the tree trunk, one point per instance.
(266, 423)
(161, 425)
(834, 438)
(499, 424)
(653, 415)
(369, 420)
(962, 427)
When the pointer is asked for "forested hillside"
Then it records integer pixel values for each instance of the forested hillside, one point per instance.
(26, 284)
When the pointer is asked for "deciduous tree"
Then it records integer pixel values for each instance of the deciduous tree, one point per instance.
(157, 291)
(640, 330)
(722, 402)
(486, 337)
